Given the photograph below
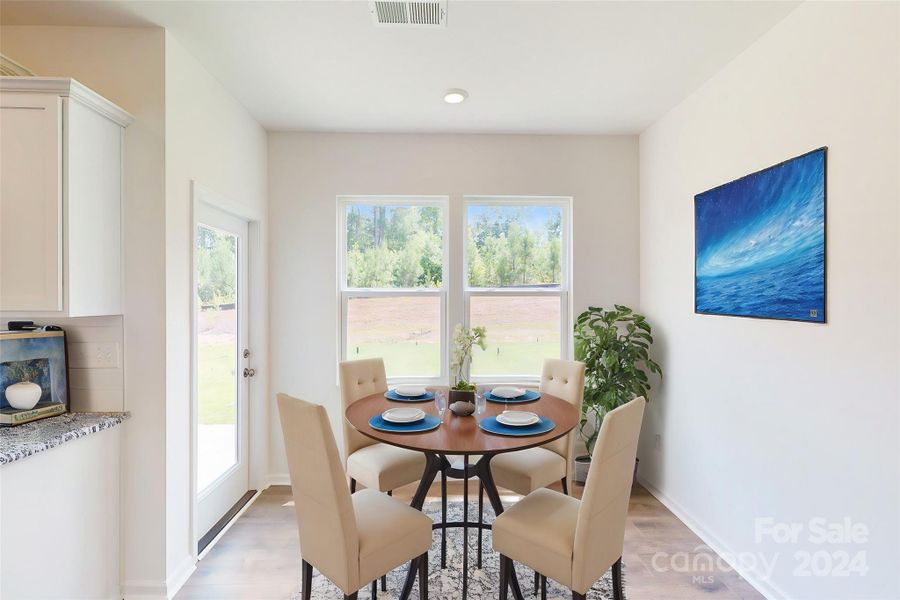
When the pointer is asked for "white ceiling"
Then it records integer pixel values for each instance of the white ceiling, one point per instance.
(537, 67)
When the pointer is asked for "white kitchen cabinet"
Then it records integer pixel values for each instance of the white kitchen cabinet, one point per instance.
(60, 199)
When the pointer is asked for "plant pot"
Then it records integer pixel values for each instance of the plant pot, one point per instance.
(583, 465)
(23, 395)
(462, 396)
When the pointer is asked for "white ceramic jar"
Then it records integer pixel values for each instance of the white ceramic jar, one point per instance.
(23, 395)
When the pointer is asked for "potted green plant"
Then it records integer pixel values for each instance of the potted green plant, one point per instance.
(614, 345)
(461, 355)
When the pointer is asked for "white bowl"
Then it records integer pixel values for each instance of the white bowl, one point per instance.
(403, 415)
(517, 418)
(410, 391)
(507, 392)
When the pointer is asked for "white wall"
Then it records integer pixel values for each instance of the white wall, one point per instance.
(213, 141)
(186, 128)
(308, 171)
(772, 418)
(127, 66)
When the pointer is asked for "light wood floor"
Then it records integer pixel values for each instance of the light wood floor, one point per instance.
(258, 558)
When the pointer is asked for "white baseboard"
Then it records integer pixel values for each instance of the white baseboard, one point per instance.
(754, 578)
(144, 590)
(160, 590)
(279, 479)
(180, 576)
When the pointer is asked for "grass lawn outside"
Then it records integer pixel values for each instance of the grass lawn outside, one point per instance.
(521, 333)
(216, 382)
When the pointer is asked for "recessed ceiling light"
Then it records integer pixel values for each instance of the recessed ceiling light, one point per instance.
(455, 96)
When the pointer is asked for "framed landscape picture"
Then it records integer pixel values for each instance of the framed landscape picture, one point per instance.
(760, 243)
(34, 370)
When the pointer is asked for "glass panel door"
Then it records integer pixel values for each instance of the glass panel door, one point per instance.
(221, 368)
(217, 354)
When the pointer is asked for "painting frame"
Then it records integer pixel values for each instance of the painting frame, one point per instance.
(11, 342)
(824, 243)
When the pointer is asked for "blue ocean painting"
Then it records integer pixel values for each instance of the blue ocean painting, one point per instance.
(760, 243)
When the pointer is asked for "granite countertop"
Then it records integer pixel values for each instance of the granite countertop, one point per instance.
(25, 440)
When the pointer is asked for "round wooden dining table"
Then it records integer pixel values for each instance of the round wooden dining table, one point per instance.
(462, 436)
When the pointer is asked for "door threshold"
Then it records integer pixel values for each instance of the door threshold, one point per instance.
(223, 523)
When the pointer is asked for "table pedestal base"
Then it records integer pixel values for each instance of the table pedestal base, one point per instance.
(434, 464)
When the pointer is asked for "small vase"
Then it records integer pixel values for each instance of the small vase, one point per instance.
(23, 395)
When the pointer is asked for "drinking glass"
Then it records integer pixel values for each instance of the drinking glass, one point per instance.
(480, 404)
(440, 402)
(505, 403)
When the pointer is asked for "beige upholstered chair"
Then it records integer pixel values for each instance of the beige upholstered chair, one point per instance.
(575, 542)
(350, 539)
(375, 465)
(528, 470)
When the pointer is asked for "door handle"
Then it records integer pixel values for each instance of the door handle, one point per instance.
(248, 372)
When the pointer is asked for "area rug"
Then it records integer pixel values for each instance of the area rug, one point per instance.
(446, 584)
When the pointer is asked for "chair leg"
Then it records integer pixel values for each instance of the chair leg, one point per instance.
(352, 486)
(465, 544)
(480, 517)
(374, 589)
(390, 492)
(537, 582)
(423, 577)
(307, 574)
(543, 587)
(577, 596)
(565, 486)
(384, 583)
(618, 591)
(504, 577)
(443, 519)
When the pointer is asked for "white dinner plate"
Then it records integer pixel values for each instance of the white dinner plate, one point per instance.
(507, 392)
(403, 415)
(410, 391)
(517, 418)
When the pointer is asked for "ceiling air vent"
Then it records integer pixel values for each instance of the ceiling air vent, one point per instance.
(409, 14)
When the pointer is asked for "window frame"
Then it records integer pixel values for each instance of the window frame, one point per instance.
(345, 292)
(562, 292)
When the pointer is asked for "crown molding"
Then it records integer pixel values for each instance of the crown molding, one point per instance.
(65, 86)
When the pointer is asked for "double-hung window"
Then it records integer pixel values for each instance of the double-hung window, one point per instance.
(397, 302)
(517, 283)
(393, 279)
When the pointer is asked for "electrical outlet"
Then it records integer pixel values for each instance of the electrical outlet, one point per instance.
(657, 441)
(94, 355)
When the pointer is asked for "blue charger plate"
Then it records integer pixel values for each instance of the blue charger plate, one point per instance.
(392, 395)
(491, 425)
(427, 424)
(528, 396)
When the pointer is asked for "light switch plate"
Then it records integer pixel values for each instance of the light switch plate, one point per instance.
(94, 355)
